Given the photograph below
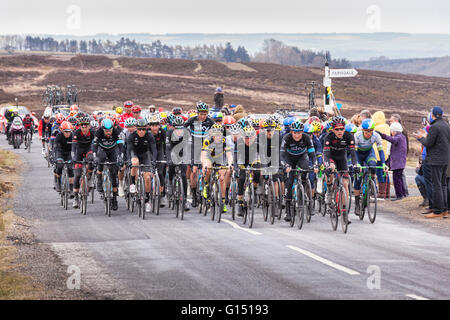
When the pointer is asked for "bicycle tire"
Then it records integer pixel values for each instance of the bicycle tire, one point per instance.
(280, 199)
(343, 204)
(246, 201)
(333, 213)
(176, 197)
(271, 200)
(293, 206)
(233, 200)
(182, 197)
(107, 192)
(372, 199)
(301, 207)
(214, 204)
(363, 200)
(219, 201)
(308, 203)
(84, 194)
(251, 206)
(66, 191)
(142, 196)
(265, 205)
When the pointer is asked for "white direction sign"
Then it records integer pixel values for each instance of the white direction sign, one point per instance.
(342, 73)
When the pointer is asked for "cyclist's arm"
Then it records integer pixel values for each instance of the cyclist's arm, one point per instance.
(311, 152)
(379, 144)
(283, 153)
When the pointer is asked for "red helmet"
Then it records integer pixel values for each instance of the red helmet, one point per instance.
(136, 109)
(312, 119)
(74, 107)
(229, 120)
(160, 109)
(66, 126)
(59, 118)
(128, 104)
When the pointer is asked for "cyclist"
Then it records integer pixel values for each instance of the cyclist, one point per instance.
(141, 148)
(28, 124)
(198, 127)
(217, 151)
(9, 115)
(247, 155)
(45, 127)
(159, 135)
(63, 152)
(136, 110)
(297, 150)
(130, 127)
(364, 141)
(175, 155)
(82, 148)
(127, 105)
(336, 145)
(107, 146)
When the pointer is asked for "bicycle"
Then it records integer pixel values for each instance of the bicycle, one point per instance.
(369, 193)
(312, 94)
(84, 186)
(298, 200)
(178, 193)
(321, 190)
(107, 186)
(155, 192)
(249, 196)
(268, 199)
(339, 207)
(28, 138)
(139, 196)
(232, 195)
(65, 189)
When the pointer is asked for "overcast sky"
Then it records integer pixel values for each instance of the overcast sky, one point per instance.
(87, 17)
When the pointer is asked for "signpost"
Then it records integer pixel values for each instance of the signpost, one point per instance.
(329, 101)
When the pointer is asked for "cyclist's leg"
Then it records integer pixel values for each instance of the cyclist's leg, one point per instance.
(240, 193)
(101, 157)
(134, 171)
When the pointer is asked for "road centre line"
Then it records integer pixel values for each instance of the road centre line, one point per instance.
(324, 261)
(413, 296)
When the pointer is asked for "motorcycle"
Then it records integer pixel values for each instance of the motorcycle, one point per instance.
(17, 132)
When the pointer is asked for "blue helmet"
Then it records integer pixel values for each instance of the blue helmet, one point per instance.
(107, 124)
(219, 89)
(243, 122)
(217, 115)
(368, 124)
(350, 127)
(288, 121)
(308, 128)
(297, 126)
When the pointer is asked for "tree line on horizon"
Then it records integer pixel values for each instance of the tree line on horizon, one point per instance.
(273, 51)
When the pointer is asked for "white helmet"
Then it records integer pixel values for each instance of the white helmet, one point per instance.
(47, 112)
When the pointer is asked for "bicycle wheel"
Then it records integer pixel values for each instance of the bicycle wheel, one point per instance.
(251, 207)
(232, 199)
(372, 202)
(363, 200)
(333, 213)
(214, 203)
(350, 193)
(301, 206)
(280, 199)
(66, 191)
(293, 206)
(84, 194)
(265, 203)
(29, 143)
(176, 196)
(107, 192)
(271, 201)
(156, 195)
(342, 205)
(308, 202)
(219, 202)
(142, 196)
(181, 196)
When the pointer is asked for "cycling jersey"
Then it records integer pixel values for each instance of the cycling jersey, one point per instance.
(293, 150)
(160, 140)
(82, 142)
(140, 145)
(28, 123)
(335, 150)
(199, 132)
(63, 144)
(104, 142)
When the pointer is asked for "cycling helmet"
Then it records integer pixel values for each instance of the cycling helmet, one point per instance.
(130, 122)
(136, 109)
(278, 128)
(177, 110)
(217, 116)
(308, 128)
(170, 118)
(228, 120)
(66, 126)
(317, 126)
(107, 124)
(248, 132)
(288, 121)
(163, 115)
(234, 128)
(178, 122)
(74, 107)
(201, 106)
(72, 120)
(84, 120)
(94, 124)
(141, 123)
(297, 126)
(350, 127)
(60, 118)
(313, 119)
(268, 123)
(243, 122)
(338, 121)
(119, 110)
(215, 130)
(128, 104)
(153, 119)
(368, 124)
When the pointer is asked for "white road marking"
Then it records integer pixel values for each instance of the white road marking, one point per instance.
(236, 226)
(325, 261)
(413, 296)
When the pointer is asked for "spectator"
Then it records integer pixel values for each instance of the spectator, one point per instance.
(448, 188)
(240, 113)
(356, 120)
(380, 125)
(398, 158)
(437, 142)
(397, 118)
(426, 170)
(365, 114)
(420, 182)
(218, 98)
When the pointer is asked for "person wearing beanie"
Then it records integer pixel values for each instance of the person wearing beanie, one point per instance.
(218, 98)
(398, 157)
(437, 142)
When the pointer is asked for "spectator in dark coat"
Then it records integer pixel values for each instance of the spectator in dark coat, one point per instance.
(398, 158)
(218, 98)
(437, 142)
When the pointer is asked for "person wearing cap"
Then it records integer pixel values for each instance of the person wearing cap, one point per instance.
(437, 142)
(397, 157)
(218, 98)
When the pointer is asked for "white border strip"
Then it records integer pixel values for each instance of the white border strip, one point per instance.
(325, 261)
(236, 226)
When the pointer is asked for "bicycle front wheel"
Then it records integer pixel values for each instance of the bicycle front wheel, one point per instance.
(271, 201)
(308, 200)
(333, 213)
(372, 202)
(251, 206)
(84, 194)
(300, 214)
(343, 205)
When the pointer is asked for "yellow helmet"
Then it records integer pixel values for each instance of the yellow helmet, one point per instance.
(119, 110)
(163, 115)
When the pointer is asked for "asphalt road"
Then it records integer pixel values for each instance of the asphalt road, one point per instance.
(165, 258)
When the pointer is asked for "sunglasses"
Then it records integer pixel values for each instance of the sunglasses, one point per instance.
(339, 129)
(141, 129)
(136, 112)
(84, 124)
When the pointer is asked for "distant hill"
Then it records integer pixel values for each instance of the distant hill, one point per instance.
(439, 67)
(351, 46)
